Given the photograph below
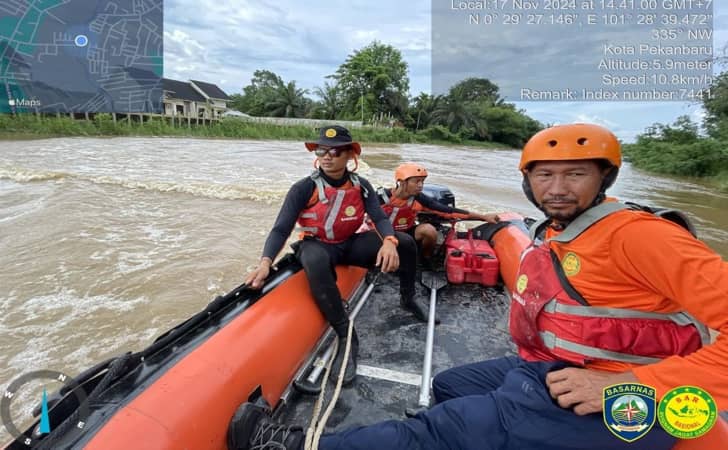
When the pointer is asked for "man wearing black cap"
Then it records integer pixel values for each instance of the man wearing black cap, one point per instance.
(329, 206)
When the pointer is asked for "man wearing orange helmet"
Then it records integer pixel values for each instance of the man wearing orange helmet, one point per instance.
(606, 293)
(402, 204)
(329, 206)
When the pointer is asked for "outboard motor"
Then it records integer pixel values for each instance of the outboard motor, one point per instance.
(442, 194)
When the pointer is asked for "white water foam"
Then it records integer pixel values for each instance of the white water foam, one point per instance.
(133, 262)
(221, 191)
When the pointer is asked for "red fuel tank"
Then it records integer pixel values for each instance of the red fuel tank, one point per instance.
(470, 260)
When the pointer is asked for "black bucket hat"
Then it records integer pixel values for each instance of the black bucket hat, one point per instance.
(334, 136)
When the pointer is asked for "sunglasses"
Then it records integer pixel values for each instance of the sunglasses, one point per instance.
(335, 152)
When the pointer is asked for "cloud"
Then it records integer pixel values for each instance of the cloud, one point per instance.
(298, 43)
(178, 44)
(225, 43)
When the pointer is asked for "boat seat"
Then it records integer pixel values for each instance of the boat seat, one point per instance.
(716, 438)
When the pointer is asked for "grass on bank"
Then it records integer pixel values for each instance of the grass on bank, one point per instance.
(36, 127)
(704, 158)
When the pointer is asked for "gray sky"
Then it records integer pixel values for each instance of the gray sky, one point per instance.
(215, 41)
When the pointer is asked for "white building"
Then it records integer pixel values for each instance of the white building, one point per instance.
(193, 99)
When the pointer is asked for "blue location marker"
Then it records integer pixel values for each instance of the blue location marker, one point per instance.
(45, 421)
(81, 40)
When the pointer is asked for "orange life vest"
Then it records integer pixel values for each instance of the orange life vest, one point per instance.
(337, 212)
(550, 320)
(400, 211)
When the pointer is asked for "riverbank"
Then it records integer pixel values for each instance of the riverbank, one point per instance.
(38, 127)
(705, 159)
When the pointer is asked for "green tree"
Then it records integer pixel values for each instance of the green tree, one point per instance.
(237, 102)
(376, 75)
(331, 104)
(508, 125)
(421, 111)
(286, 101)
(464, 110)
(268, 95)
(716, 107)
(476, 90)
(457, 114)
(678, 149)
(682, 131)
(259, 92)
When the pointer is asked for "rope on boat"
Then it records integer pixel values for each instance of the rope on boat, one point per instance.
(117, 367)
(316, 428)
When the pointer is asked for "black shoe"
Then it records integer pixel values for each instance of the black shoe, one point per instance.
(252, 428)
(350, 372)
(416, 307)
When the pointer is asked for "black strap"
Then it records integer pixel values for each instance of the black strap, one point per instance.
(573, 293)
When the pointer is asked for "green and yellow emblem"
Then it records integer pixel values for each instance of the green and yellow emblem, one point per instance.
(687, 412)
(349, 211)
(571, 264)
(330, 133)
(402, 221)
(521, 283)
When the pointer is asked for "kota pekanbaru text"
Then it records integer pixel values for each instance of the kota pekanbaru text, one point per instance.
(658, 49)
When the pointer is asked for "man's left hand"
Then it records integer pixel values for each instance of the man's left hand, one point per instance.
(388, 258)
(490, 217)
(583, 389)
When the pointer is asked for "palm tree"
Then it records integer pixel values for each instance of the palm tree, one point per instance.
(424, 106)
(395, 104)
(286, 101)
(457, 114)
(331, 100)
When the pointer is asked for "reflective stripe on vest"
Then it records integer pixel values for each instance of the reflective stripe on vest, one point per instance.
(554, 343)
(680, 318)
(333, 214)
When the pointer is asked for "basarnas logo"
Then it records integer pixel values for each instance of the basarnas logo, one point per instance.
(629, 410)
(45, 424)
(687, 412)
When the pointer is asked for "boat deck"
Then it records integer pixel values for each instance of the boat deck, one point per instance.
(392, 346)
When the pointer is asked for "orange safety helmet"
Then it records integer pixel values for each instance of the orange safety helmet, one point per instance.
(572, 142)
(408, 170)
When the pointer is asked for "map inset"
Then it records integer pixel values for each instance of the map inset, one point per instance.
(81, 56)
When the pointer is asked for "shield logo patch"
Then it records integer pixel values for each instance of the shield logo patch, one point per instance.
(629, 410)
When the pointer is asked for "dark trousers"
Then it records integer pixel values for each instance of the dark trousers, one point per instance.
(319, 260)
(498, 404)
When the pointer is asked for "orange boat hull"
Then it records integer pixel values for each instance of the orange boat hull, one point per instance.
(190, 406)
(509, 243)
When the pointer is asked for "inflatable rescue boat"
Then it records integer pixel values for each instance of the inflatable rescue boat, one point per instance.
(267, 346)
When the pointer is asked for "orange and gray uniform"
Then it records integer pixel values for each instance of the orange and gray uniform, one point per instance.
(633, 260)
(402, 212)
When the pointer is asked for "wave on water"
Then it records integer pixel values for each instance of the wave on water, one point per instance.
(21, 175)
(221, 191)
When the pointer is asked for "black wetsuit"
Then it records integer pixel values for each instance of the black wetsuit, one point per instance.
(319, 258)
